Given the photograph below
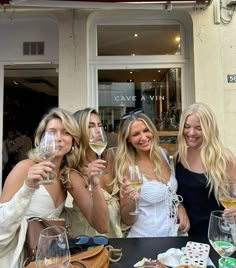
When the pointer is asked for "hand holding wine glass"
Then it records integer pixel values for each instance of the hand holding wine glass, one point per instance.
(222, 233)
(53, 248)
(135, 180)
(48, 149)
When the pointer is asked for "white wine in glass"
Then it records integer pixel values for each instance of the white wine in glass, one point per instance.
(135, 180)
(97, 140)
(47, 150)
(229, 200)
(222, 233)
(53, 248)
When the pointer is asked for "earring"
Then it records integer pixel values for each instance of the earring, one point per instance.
(72, 149)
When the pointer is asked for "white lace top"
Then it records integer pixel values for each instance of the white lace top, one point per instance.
(157, 208)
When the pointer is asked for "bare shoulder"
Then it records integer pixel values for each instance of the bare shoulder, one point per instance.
(15, 179)
(76, 178)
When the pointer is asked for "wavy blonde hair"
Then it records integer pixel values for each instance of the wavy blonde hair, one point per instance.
(126, 154)
(214, 157)
(72, 158)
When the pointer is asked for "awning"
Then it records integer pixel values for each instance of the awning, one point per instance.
(104, 3)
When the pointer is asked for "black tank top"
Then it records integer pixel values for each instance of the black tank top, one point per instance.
(196, 199)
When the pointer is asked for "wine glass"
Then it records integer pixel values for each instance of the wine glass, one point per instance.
(97, 141)
(53, 248)
(48, 149)
(222, 233)
(229, 200)
(135, 178)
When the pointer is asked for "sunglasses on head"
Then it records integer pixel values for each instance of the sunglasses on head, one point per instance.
(131, 113)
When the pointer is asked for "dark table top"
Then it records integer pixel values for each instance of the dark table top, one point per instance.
(134, 249)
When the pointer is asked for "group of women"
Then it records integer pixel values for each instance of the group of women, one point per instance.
(170, 202)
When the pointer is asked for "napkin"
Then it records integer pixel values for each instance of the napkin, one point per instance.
(141, 263)
(171, 258)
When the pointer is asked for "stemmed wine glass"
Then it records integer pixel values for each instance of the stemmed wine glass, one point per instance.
(136, 179)
(47, 150)
(53, 248)
(97, 140)
(222, 234)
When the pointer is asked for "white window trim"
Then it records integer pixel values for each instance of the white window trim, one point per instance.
(138, 62)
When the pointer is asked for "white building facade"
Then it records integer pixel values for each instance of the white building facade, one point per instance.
(208, 53)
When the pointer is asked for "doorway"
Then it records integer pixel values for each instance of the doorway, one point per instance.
(29, 92)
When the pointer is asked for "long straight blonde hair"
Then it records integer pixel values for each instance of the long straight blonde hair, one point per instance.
(126, 154)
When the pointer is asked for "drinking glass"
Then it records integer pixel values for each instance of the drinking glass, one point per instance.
(135, 178)
(48, 149)
(97, 141)
(53, 248)
(229, 200)
(222, 234)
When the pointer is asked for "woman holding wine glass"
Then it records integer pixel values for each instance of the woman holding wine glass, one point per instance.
(160, 212)
(25, 196)
(91, 134)
(204, 168)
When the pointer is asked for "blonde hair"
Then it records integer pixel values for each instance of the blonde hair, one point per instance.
(214, 157)
(126, 154)
(72, 158)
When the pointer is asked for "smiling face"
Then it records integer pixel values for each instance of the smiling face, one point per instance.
(193, 131)
(64, 139)
(140, 136)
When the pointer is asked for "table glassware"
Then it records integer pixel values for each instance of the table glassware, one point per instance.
(48, 149)
(222, 233)
(97, 141)
(136, 179)
(229, 200)
(53, 248)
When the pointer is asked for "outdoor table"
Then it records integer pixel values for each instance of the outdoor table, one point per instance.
(134, 249)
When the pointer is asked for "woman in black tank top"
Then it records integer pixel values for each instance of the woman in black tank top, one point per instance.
(203, 166)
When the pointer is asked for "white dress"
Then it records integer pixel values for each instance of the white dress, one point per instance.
(158, 206)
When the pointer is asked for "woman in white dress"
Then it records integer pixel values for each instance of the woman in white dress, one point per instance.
(160, 212)
(24, 197)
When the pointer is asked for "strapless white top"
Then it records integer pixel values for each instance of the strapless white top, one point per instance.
(157, 208)
(42, 205)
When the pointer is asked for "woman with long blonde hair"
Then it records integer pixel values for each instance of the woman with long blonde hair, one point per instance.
(24, 196)
(204, 168)
(88, 119)
(159, 206)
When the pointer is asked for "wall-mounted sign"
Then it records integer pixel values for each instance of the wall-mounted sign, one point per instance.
(231, 78)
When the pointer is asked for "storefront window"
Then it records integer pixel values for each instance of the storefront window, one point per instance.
(156, 91)
(134, 40)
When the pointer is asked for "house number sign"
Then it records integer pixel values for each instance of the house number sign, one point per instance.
(231, 78)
